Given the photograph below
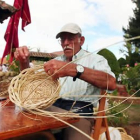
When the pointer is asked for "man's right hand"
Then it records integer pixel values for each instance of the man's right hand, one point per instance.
(22, 55)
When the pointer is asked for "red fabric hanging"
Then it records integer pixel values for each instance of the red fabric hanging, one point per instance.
(11, 34)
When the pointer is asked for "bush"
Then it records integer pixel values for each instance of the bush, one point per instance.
(133, 82)
(112, 61)
(120, 119)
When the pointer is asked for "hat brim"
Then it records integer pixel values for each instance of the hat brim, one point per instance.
(59, 34)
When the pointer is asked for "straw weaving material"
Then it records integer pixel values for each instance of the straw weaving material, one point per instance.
(33, 88)
(117, 133)
(124, 134)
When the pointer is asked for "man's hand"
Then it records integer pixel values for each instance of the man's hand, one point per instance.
(22, 55)
(56, 68)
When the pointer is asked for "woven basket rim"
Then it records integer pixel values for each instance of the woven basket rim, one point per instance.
(126, 136)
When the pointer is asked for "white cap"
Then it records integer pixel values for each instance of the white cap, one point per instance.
(70, 28)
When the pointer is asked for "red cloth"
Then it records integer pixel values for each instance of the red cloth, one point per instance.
(11, 34)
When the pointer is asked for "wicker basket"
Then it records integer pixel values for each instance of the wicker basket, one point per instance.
(116, 133)
(124, 134)
(33, 89)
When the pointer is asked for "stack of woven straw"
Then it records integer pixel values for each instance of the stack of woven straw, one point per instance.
(5, 79)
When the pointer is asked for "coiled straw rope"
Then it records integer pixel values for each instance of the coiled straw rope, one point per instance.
(33, 88)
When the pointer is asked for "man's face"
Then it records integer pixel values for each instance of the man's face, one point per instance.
(71, 44)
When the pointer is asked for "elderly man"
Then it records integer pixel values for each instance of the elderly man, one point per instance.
(82, 74)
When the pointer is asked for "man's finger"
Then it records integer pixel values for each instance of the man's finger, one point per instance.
(25, 51)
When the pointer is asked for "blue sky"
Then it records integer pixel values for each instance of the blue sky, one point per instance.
(101, 22)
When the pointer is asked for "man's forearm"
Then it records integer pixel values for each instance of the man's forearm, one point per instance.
(99, 79)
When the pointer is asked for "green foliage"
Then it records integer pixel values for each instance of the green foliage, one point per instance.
(112, 61)
(133, 75)
(133, 28)
(15, 67)
(120, 119)
(132, 79)
(122, 62)
(8, 57)
(115, 93)
(131, 53)
(135, 57)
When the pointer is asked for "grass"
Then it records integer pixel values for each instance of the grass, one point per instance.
(133, 120)
(133, 113)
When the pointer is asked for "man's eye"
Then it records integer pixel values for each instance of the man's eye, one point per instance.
(62, 39)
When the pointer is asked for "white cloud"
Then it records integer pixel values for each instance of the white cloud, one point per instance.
(115, 13)
(48, 16)
(105, 42)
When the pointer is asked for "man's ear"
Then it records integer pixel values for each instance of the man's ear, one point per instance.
(81, 40)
